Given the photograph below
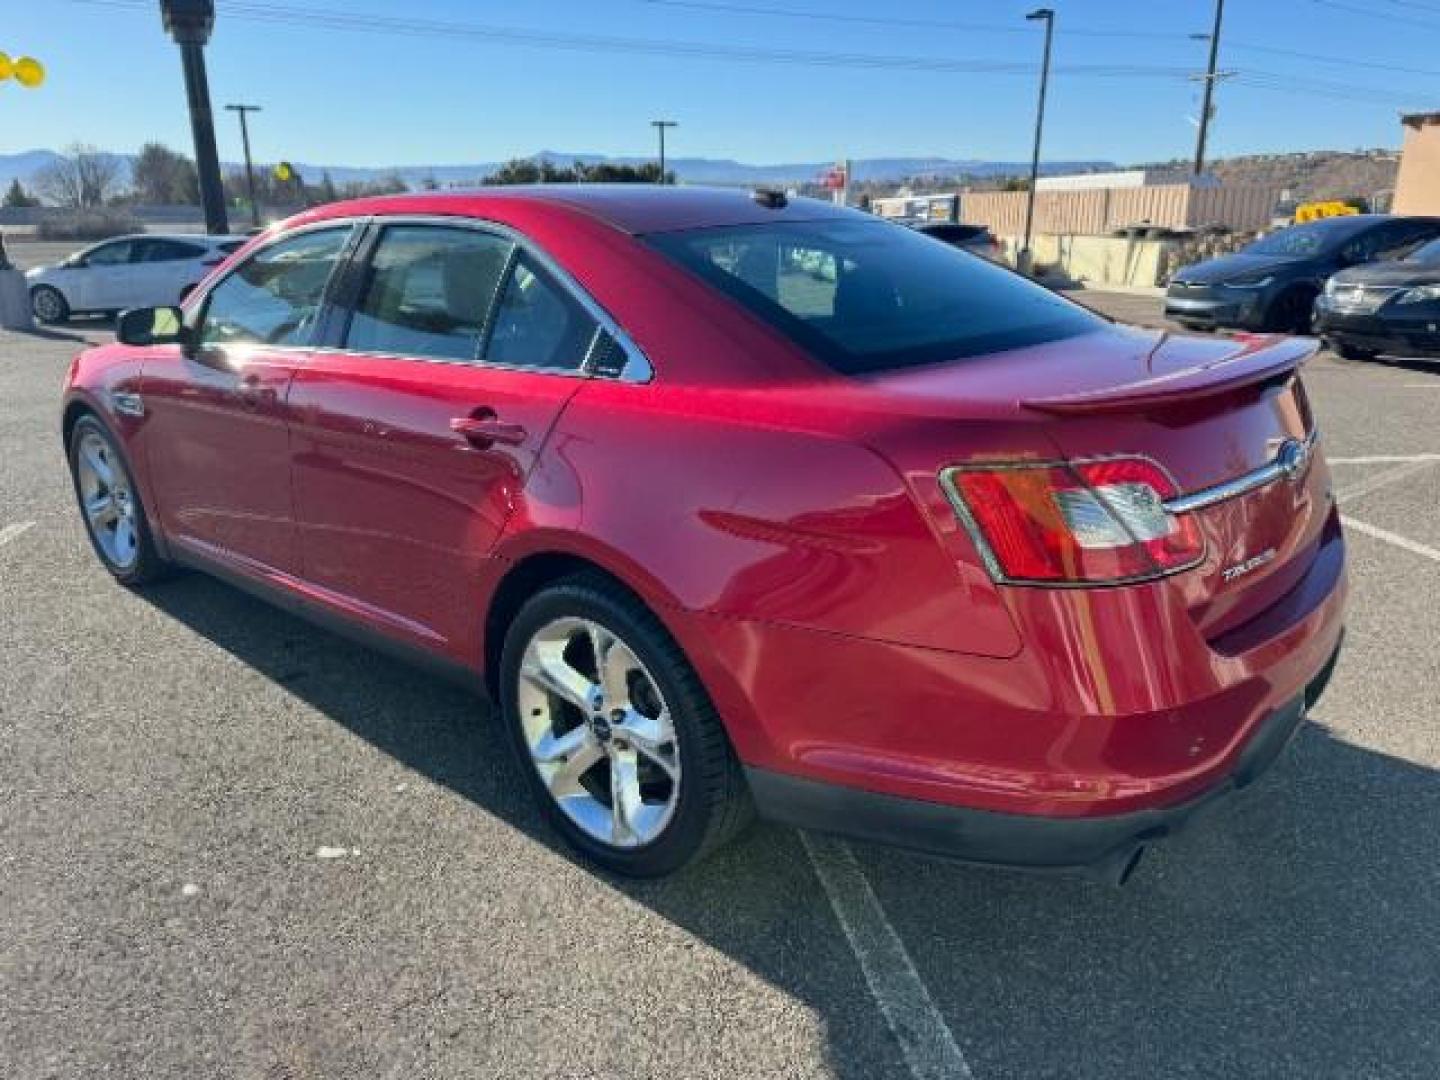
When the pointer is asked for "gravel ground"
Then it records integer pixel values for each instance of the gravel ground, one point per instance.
(232, 845)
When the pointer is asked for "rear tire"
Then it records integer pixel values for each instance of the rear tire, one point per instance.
(49, 304)
(110, 506)
(626, 755)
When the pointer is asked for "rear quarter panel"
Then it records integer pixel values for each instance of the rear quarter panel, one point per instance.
(725, 502)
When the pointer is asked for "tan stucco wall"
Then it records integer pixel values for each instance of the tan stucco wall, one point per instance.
(1417, 187)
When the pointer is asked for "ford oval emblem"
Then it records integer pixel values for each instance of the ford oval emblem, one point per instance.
(1294, 455)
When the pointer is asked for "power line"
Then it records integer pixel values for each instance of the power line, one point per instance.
(392, 26)
(1324, 58)
(1339, 5)
(893, 21)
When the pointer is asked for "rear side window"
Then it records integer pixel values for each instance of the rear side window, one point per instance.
(538, 323)
(274, 296)
(428, 292)
(868, 296)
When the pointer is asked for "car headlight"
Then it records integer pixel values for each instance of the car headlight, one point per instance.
(1419, 294)
(1250, 282)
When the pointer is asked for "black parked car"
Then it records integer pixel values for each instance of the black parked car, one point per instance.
(976, 238)
(1391, 307)
(1272, 284)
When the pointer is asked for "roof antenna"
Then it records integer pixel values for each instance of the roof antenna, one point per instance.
(770, 198)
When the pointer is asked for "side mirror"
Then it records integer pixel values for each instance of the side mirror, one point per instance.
(151, 326)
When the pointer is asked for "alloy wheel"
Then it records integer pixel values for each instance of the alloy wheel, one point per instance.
(599, 732)
(48, 305)
(108, 501)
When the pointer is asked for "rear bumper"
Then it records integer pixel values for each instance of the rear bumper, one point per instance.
(1023, 841)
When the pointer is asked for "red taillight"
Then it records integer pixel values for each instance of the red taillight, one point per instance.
(1095, 521)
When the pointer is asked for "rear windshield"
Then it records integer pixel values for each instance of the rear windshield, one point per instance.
(868, 296)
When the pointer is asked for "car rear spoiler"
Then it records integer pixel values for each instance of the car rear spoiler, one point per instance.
(1262, 359)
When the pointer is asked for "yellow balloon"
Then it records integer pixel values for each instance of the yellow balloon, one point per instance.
(29, 71)
(4, 67)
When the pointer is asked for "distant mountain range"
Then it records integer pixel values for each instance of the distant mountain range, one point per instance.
(690, 170)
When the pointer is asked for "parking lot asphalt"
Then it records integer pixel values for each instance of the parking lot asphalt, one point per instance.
(233, 845)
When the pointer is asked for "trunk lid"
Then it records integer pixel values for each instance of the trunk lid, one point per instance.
(1209, 411)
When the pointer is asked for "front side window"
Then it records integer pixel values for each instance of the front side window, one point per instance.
(869, 296)
(274, 297)
(538, 323)
(109, 254)
(428, 291)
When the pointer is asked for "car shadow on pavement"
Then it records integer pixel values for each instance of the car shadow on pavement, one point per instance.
(756, 901)
(1293, 932)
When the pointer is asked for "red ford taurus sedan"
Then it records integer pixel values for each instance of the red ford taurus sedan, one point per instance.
(742, 503)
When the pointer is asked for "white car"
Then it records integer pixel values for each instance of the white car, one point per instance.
(148, 270)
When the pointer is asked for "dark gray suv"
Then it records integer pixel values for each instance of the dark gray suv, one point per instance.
(1272, 284)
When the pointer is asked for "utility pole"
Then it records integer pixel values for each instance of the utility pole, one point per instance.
(189, 22)
(660, 126)
(1210, 76)
(249, 167)
(1026, 258)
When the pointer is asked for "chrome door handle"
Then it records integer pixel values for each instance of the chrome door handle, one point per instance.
(487, 430)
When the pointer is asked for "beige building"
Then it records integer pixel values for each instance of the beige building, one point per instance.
(1417, 187)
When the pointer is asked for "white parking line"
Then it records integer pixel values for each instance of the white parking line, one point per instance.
(1376, 481)
(10, 532)
(925, 1040)
(1382, 459)
(1391, 538)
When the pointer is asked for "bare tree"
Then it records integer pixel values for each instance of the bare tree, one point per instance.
(81, 177)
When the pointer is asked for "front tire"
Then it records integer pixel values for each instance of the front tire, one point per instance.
(614, 732)
(1290, 312)
(49, 304)
(1353, 352)
(110, 506)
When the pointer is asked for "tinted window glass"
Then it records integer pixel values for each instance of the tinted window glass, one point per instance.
(427, 292)
(109, 254)
(1312, 238)
(166, 251)
(229, 247)
(1398, 240)
(274, 296)
(538, 323)
(1425, 253)
(869, 296)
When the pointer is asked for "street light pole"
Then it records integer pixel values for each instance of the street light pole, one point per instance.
(1026, 258)
(660, 126)
(1210, 76)
(249, 166)
(189, 22)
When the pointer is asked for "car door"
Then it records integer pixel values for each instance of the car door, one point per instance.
(101, 278)
(413, 437)
(216, 429)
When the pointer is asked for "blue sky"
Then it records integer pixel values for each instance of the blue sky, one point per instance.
(411, 96)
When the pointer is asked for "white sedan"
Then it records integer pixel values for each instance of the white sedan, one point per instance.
(149, 270)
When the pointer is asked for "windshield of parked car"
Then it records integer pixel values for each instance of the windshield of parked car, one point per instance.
(1312, 238)
(868, 296)
(1425, 253)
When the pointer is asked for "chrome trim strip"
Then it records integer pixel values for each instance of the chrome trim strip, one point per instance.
(1265, 475)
